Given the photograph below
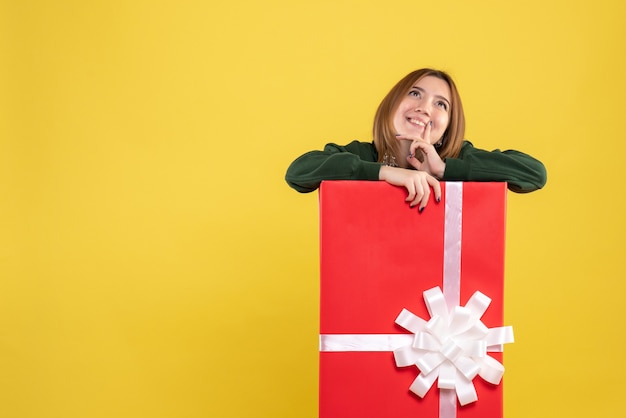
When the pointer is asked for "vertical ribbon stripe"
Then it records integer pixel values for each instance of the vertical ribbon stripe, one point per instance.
(453, 227)
(452, 234)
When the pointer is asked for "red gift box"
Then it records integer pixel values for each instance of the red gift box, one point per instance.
(378, 256)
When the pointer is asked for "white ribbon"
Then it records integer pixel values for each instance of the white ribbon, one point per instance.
(452, 346)
(452, 234)
(363, 342)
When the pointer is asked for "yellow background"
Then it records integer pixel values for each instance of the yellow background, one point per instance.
(154, 263)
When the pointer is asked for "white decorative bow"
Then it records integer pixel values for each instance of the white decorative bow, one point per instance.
(452, 347)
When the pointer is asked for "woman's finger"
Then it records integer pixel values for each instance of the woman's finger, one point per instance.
(415, 149)
(434, 183)
(427, 130)
(410, 187)
(406, 137)
(426, 195)
(414, 162)
(419, 193)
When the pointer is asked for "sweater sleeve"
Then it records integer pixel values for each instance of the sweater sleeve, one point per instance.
(355, 161)
(522, 172)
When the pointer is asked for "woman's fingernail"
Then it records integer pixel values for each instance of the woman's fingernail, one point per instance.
(438, 199)
(431, 123)
(410, 155)
(398, 134)
(421, 209)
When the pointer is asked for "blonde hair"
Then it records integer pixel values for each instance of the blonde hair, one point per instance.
(384, 132)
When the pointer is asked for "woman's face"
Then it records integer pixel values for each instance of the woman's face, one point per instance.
(428, 101)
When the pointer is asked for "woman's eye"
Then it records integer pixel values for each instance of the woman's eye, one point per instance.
(442, 105)
(414, 93)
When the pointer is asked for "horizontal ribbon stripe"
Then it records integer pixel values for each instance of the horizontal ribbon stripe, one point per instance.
(364, 342)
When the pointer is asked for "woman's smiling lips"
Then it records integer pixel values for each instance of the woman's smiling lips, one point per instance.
(416, 122)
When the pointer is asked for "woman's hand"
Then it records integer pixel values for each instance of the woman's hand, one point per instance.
(417, 183)
(422, 155)
(431, 162)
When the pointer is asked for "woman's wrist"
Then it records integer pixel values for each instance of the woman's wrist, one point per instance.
(382, 172)
(440, 171)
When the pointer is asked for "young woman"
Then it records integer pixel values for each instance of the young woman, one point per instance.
(418, 140)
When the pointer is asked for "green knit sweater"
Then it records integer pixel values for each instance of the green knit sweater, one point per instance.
(358, 161)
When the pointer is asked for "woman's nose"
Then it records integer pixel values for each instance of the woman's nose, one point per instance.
(423, 107)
